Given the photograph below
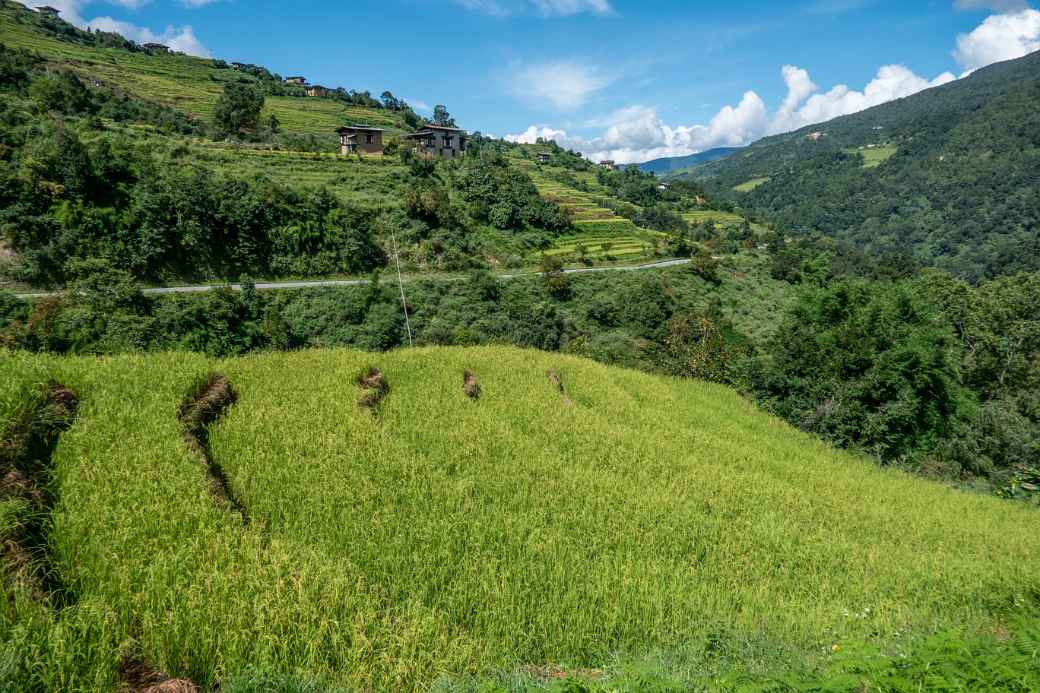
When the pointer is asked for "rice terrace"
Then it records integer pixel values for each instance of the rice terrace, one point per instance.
(715, 370)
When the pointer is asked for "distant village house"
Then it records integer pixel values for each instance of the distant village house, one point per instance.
(438, 141)
(360, 138)
(317, 91)
(49, 11)
(298, 81)
(608, 164)
(543, 157)
(156, 47)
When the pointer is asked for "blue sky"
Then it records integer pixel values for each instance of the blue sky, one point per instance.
(625, 79)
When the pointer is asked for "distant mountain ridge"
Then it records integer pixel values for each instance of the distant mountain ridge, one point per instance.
(669, 164)
(949, 176)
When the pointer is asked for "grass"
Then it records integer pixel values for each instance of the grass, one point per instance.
(875, 156)
(442, 537)
(184, 82)
(750, 185)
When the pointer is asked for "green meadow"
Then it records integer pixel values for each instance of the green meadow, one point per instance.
(560, 522)
(875, 156)
(750, 185)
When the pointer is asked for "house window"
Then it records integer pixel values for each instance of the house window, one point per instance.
(431, 143)
(448, 142)
(368, 138)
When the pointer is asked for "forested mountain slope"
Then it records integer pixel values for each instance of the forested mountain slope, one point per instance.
(950, 176)
(674, 163)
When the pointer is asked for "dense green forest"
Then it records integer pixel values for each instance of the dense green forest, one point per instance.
(946, 177)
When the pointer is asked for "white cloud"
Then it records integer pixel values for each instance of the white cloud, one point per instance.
(545, 8)
(181, 39)
(1000, 37)
(800, 109)
(564, 85)
(636, 133)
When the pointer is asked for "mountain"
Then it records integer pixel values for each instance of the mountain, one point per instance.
(675, 163)
(339, 520)
(949, 176)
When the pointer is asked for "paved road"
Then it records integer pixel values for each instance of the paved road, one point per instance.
(273, 286)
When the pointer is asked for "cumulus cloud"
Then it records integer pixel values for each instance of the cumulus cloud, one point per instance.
(637, 134)
(180, 39)
(891, 82)
(545, 8)
(1000, 37)
(564, 85)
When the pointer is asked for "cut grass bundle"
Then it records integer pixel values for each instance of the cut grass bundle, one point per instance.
(208, 401)
(26, 475)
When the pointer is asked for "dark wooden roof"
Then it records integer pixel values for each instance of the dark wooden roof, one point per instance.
(362, 128)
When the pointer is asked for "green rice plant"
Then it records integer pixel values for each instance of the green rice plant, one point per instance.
(450, 538)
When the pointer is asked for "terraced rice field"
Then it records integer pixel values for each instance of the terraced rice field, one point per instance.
(311, 522)
(603, 233)
(184, 82)
(721, 219)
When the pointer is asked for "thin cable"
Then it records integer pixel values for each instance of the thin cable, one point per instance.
(400, 283)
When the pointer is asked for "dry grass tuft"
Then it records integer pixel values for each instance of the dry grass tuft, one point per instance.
(374, 388)
(557, 381)
(471, 385)
(209, 400)
(143, 678)
(27, 473)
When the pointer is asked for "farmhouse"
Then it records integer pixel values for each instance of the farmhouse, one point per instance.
(360, 138)
(156, 47)
(608, 164)
(298, 81)
(543, 157)
(49, 11)
(317, 91)
(438, 141)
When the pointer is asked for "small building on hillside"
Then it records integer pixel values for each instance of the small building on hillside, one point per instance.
(49, 11)
(298, 81)
(438, 141)
(314, 91)
(543, 157)
(608, 164)
(360, 138)
(156, 48)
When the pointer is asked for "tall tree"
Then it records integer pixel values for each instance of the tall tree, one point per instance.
(238, 109)
(442, 117)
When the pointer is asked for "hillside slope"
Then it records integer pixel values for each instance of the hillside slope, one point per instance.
(570, 514)
(950, 175)
(676, 163)
(189, 84)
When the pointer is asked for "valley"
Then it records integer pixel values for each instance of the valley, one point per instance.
(307, 389)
